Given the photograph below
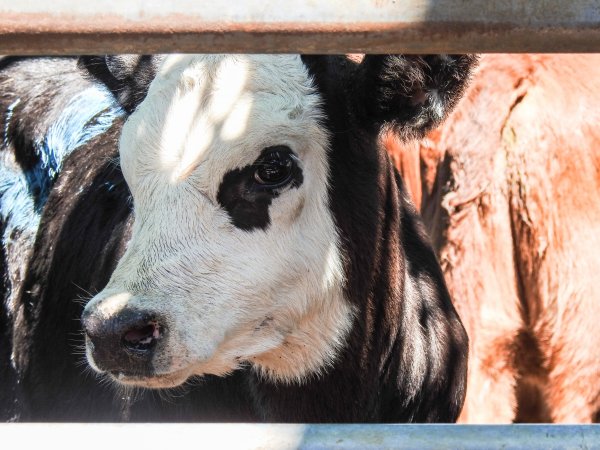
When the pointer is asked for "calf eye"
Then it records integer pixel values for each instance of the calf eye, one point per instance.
(246, 193)
(275, 167)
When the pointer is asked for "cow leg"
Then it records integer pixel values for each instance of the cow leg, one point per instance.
(570, 335)
(493, 329)
(556, 215)
(477, 258)
(572, 392)
(463, 205)
(555, 211)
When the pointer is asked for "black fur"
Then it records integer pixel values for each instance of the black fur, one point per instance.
(127, 76)
(402, 90)
(380, 376)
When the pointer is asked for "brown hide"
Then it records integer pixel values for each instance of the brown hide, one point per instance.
(509, 190)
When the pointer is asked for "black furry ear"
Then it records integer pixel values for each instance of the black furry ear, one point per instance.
(412, 93)
(126, 76)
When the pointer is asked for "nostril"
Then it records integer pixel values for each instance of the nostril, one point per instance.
(142, 338)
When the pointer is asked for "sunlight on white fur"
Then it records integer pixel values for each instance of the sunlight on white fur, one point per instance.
(209, 101)
(113, 304)
(236, 123)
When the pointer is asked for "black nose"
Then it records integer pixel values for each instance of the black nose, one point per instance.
(124, 343)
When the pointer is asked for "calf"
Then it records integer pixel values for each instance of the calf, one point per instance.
(272, 266)
(508, 188)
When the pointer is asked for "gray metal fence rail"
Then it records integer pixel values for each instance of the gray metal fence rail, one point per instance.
(329, 26)
(282, 437)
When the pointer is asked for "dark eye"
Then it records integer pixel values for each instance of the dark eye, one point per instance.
(275, 168)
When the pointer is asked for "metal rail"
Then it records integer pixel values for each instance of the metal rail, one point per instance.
(310, 26)
(246, 436)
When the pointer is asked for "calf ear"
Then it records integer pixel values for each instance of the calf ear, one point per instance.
(126, 76)
(412, 93)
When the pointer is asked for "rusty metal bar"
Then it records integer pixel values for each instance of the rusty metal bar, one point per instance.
(309, 26)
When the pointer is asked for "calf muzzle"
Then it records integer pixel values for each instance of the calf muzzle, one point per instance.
(124, 343)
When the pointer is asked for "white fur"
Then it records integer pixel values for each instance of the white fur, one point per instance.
(273, 298)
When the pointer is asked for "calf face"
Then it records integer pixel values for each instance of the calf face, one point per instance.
(236, 256)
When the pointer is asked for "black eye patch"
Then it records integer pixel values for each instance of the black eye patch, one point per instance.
(247, 193)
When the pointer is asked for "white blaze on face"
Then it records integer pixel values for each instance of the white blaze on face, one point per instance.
(272, 296)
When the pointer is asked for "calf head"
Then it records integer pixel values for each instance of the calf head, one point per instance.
(235, 255)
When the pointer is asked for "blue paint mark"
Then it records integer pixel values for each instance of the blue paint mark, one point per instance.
(9, 113)
(24, 193)
(109, 186)
(17, 207)
(89, 114)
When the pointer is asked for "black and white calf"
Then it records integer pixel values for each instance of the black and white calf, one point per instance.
(274, 266)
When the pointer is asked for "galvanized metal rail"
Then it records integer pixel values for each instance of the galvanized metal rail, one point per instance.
(281, 437)
(310, 26)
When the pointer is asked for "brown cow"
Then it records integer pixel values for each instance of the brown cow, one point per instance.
(509, 188)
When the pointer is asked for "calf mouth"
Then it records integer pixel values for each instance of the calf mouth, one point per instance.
(150, 380)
